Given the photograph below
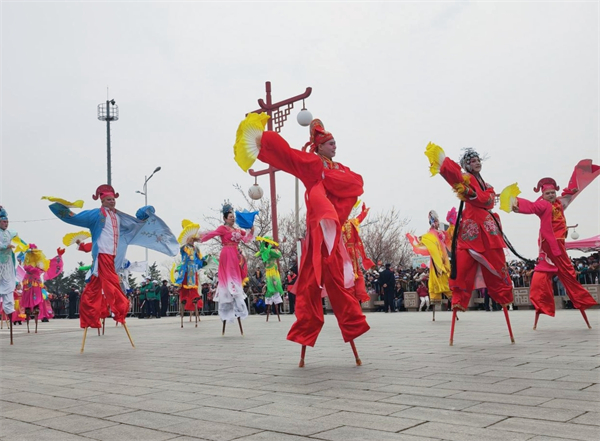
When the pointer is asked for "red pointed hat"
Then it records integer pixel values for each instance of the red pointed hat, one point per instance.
(105, 191)
(318, 135)
(546, 183)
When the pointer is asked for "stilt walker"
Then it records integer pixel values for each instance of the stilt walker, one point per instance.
(233, 270)
(553, 259)
(436, 243)
(332, 189)
(37, 269)
(112, 232)
(186, 273)
(478, 242)
(270, 256)
(8, 275)
(356, 251)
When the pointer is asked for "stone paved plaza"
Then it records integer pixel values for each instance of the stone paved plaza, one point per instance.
(192, 383)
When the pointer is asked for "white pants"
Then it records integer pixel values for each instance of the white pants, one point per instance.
(274, 299)
(424, 301)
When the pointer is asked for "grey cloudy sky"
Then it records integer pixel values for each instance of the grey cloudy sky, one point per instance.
(516, 80)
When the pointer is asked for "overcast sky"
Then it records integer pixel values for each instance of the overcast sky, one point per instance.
(518, 81)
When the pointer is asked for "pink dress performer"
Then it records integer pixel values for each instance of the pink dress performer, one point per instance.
(553, 259)
(478, 243)
(38, 268)
(232, 269)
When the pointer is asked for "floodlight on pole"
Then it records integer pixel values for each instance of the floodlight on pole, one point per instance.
(108, 112)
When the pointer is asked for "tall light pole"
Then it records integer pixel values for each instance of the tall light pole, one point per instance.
(108, 112)
(145, 193)
(278, 117)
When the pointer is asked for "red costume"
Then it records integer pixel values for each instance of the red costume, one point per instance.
(356, 251)
(553, 258)
(479, 255)
(331, 191)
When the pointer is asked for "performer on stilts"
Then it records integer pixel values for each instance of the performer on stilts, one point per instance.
(270, 255)
(478, 243)
(8, 274)
(38, 269)
(356, 251)
(332, 189)
(233, 269)
(436, 243)
(191, 261)
(112, 231)
(553, 259)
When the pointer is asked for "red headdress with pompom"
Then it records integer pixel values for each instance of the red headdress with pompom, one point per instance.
(318, 135)
(546, 183)
(105, 191)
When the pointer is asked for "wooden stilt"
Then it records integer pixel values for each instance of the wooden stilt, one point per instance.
(196, 311)
(277, 311)
(128, 334)
(181, 312)
(537, 316)
(585, 318)
(11, 332)
(356, 357)
(302, 355)
(512, 338)
(98, 332)
(83, 343)
(240, 323)
(103, 324)
(433, 310)
(26, 313)
(35, 316)
(224, 323)
(452, 326)
(268, 311)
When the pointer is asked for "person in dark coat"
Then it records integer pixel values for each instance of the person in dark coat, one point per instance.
(164, 299)
(387, 281)
(73, 299)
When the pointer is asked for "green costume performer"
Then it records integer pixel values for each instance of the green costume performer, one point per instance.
(274, 289)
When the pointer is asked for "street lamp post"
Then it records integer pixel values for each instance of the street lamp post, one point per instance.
(277, 118)
(145, 193)
(108, 114)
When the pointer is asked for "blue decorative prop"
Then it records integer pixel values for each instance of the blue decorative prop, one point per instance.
(245, 219)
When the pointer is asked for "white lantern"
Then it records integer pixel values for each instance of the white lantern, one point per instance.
(255, 192)
(304, 118)
(574, 235)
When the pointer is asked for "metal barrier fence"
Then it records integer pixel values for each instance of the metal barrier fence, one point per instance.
(60, 306)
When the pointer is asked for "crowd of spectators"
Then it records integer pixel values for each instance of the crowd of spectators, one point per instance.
(407, 279)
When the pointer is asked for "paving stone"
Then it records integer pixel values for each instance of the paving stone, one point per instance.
(590, 418)
(212, 431)
(585, 406)
(10, 428)
(435, 402)
(46, 435)
(129, 433)
(501, 398)
(459, 432)
(369, 421)
(378, 408)
(538, 413)
(449, 416)
(201, 386)
(75, 423)
(360, 434)
(560, 430)
(30, 414)
(150, 420)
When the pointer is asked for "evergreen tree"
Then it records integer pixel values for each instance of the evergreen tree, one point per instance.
(154, 273)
